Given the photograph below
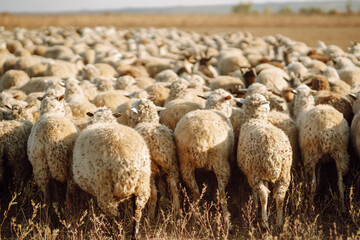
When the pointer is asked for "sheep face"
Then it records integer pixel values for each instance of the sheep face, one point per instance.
(256, 106)
(220, 100)
(178, 86)
(143, 110)
(102, 115)
(52, 104)
(72, 87)
(21, 112)
(124, 81)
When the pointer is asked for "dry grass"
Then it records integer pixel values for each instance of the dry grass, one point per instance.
(333, 29)
(22, 214)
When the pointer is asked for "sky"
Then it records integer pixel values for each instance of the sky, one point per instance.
(29, 6)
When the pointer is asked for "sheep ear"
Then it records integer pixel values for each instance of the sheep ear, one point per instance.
(244, 90)
(40, 98)
(29, 106)
(228, 97)
(160, 108)
(16, 96)
(203, 97)
(293, 91)
(240, 100)
(269, 89)
(8, 107)
(61, 97)
(134, 110)
(127, 95)
(90, 114)
(254, 71)
(263, 102)
(151, 97)
(205, 88)
(353, 96)
(117, 115)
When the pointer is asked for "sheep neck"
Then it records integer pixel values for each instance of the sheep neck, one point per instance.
(303, 104)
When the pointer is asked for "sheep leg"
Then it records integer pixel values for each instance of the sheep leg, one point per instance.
(188, 175)
(172, 180)
(108, 203)
(153, 197)
(279, 194)
(313, 185)
(339, 157)
(256, 199)
(139, 202)
(263, 192)
(223, 174)
(311, 159)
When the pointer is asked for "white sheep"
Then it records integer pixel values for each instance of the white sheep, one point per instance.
(50, 146)
(175, 110)
(112, 162)
(274, 78)
(13, 143)
(13, 78)
(276, 103)
(205, 139)
(264, 154)
(161, 143)
(322, 130)
(179, 89)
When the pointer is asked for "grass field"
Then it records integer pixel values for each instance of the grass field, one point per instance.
(332, 29)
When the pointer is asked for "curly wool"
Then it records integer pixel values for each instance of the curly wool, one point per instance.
(322, 131)
(112, 162)
(264, 154)
(50, 144)
(13, 145)
(205, 139)
(161, 143)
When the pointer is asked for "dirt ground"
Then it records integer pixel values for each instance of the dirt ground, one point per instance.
(332, 29)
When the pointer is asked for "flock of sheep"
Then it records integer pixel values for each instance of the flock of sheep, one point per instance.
(110, 110)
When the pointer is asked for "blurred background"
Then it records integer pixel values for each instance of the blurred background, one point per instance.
(334, 22)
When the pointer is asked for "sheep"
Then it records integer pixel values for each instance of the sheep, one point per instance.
(124, 110)
(160, 92)
(355, 123)
(50, 147)
(77, 101)
(264, 154)
(274, 78)
(167, 75)
(286, 123)
(13, 78)
(112, 162)
(228, 83)
(13, 144)
(322, 131)
(161, 143)
(62, 69)
(348, 71)
(126, 83)
(179, 90)
(111, 99)
(175, 110)
(276, 103)
(338, 101)
(231, 61)
(37, 84)
(205, 139)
